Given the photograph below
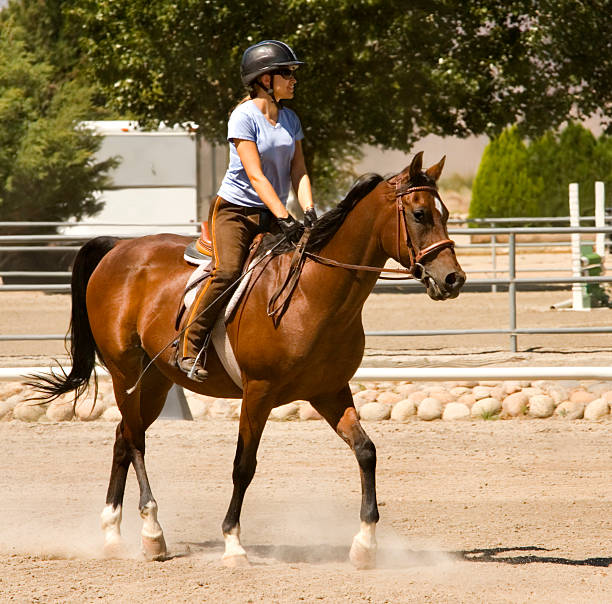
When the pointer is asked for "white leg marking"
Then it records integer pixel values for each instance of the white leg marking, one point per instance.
(111, 525)
(150, 527)
(363, 550)
(153, 542)
(234, 554)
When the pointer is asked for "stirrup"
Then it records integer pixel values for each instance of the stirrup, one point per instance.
(192, 368)
(195, 367)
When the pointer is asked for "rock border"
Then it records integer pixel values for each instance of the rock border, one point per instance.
(375, 401)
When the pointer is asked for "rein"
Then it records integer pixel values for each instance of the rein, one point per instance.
(416, 270)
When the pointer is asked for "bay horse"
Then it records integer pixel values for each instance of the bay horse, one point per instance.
(124, 300)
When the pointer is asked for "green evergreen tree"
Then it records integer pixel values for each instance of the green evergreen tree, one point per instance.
(504, 185)
(516, 179)
(543, 156)
(572, 155)
(575, 162)
(603, 155)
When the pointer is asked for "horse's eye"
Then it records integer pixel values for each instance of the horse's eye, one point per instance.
(419, 215)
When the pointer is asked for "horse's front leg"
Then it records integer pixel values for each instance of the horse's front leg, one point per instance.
(341, 414)
(253, 416)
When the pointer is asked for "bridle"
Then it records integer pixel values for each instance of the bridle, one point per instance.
(417, 269)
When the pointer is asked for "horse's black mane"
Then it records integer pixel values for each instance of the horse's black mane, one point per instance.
(327, 225)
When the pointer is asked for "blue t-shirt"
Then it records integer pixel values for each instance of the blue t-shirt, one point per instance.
(276, 146)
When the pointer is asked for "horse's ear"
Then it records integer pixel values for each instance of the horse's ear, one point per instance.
(435, 171)
(417, 165)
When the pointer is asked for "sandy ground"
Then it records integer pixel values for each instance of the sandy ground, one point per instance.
(500, 511)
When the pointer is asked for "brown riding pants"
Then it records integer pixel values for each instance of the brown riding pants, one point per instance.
(232, 229)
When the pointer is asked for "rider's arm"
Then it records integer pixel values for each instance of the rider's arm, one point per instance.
(249, 156)
(300, 179)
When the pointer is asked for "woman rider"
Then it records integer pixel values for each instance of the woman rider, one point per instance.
(266, 159)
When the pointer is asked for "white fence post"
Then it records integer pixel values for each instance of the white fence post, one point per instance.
(600, 218)
(577, 288)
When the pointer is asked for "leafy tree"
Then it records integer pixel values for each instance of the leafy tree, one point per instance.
(47, 167)
(573, 45)
(382, 72)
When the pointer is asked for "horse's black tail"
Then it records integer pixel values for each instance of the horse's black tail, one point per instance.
(82, 343)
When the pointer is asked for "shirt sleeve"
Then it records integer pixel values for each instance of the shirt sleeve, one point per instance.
(241, 125)
(299, 134)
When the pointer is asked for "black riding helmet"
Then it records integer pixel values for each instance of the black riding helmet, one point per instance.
(265, 57)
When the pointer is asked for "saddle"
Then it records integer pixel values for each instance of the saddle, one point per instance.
(199, 251)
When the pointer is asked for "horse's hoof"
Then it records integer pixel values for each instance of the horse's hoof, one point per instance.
(235, 561)
(115, 550)
(154, 549)
(361, 557)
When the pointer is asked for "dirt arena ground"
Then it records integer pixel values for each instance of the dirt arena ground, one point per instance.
(487, 511)
(504, 511)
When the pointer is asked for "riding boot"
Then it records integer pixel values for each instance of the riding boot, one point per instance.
(193, 364)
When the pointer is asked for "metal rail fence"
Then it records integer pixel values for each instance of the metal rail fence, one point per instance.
(72, 243)
(512, 281)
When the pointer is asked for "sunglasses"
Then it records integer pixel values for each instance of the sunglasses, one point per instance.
(285, 72)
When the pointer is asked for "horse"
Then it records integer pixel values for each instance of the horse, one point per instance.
(124, 301)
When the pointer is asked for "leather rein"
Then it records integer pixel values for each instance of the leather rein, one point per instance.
(416, 258)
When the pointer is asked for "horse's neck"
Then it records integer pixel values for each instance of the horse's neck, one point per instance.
(356, 242)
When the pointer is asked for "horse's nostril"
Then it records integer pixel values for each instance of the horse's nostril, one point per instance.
(455, 280)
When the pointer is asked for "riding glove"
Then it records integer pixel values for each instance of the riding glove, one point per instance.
(291, 228)
(310, 217)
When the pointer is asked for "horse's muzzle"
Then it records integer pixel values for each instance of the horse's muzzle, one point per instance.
(443, 289)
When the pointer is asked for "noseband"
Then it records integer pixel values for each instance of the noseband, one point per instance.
(417, 269)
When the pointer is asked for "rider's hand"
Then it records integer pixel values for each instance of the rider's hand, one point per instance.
(291, 228)
(310, 217)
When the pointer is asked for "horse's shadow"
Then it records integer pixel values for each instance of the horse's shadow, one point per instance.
(493, 555)
(393, 558)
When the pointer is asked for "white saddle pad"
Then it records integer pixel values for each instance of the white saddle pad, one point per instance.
(220, 341)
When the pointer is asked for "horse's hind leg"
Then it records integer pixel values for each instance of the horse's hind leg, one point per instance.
(340, 413)
(139, 410)
(111, 514)
(253, 417)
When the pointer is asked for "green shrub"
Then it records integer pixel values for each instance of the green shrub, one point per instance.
(504, 185)
(563, 158)
(521, 179)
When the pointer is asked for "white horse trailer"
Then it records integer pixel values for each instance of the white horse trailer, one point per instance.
(165, 177)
